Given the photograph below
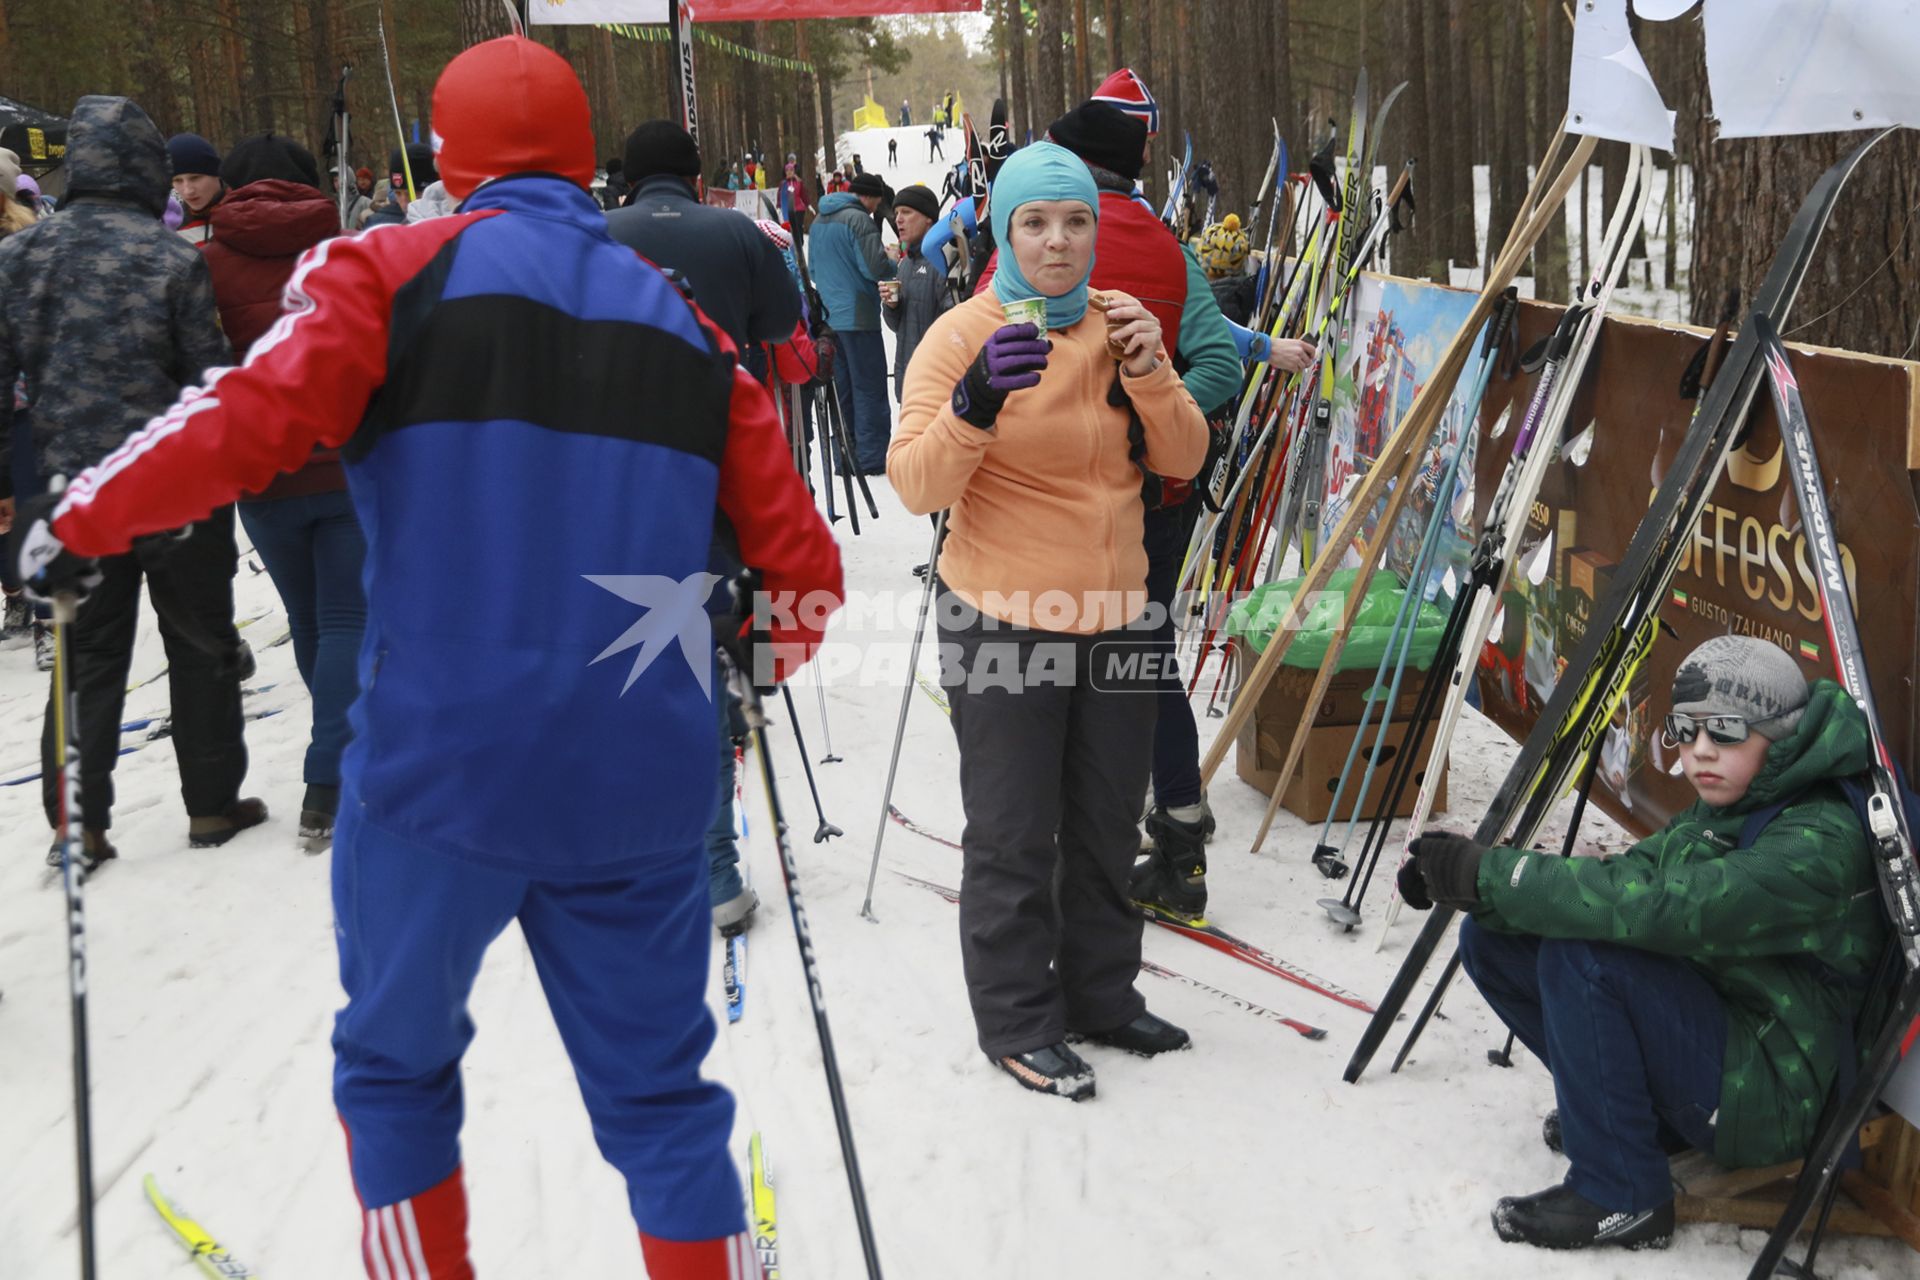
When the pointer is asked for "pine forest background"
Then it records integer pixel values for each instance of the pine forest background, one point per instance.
(1486, 86)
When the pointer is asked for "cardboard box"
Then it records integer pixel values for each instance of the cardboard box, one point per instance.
(1284, 700)
(1262, 747)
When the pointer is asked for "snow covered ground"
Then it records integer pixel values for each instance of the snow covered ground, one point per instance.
(213, 989)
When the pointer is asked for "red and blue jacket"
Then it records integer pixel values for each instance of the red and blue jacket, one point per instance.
(538, 428)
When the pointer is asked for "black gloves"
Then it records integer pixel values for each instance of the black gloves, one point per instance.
(45, 567)
(1442, 869)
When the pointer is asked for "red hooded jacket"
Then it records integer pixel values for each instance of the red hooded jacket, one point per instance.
(259, 232)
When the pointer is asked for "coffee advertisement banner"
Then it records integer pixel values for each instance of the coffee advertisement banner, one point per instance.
(1746, 569)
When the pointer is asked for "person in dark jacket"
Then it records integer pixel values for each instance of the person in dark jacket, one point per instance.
(740, 280)
(920, 295)
(848, 262)
(107, 315)
(614, 194)
(417, 163)
(735, 272)
(521, 402)
(196, 183)
(302, 524)
(1700, 989)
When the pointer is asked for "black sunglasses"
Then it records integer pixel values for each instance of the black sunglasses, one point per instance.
(1681, 728)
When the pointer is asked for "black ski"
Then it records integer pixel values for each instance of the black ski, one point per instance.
(1624, 626)
(1889, 831)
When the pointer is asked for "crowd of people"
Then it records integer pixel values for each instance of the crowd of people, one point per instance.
(420, 397)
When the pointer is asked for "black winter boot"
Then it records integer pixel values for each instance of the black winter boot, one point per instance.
(1173, 877)
(1053, 1069)
(1146, 1036)
(1562, 1218)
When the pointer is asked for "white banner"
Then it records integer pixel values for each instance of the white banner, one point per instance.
(1610, 94)
(1774, 67)
(558, 13)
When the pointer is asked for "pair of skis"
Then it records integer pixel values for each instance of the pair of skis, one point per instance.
(1202, 931)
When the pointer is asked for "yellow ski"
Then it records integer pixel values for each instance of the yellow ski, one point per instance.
(766, 1227)
(209, 1254)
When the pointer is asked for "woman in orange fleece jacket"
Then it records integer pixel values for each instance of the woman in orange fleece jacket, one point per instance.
(1039, 442)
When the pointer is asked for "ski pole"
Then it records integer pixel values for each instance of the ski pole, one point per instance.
(803, 936)
(826, 830)
(846, 447)
(824, 433)
(826, 730)
(66, 746)
(906, 699)
(849, 463)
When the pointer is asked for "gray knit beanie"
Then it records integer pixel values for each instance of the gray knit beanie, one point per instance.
(1742, 676)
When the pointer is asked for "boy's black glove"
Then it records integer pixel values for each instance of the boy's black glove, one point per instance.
(1442, 869)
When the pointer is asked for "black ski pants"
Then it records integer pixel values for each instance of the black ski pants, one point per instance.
(191, 582)
(1056, 740)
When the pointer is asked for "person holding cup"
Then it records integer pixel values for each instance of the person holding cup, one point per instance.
(1018, 419)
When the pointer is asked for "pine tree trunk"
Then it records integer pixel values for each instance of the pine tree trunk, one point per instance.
(479, 20)
(1050, 91)
(1082, 53)
(1411, 123)
(1013, 21)
(1461, 243)
(1550, 266)
(1509, 177)
(1116, 38)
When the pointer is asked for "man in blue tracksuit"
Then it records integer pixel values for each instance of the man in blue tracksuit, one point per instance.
(530, 412)
(847, 260)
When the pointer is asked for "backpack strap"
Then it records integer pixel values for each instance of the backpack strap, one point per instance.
(1757, 821)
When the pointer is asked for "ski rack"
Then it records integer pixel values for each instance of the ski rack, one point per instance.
(1626, 623)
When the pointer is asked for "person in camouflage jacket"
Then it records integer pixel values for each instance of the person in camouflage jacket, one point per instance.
(105, 316)
(1689, 992)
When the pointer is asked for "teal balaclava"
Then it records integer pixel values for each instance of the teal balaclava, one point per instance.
(1042, 171)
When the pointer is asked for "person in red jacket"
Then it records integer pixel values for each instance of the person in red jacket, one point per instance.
(302, 524)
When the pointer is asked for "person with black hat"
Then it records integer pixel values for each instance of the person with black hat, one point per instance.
(735, 273)
(920, 294)
(848, 263)
(409, 175)
(196, 183)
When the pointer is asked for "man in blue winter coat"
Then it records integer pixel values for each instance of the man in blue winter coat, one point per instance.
(848, 262)
(527, 411)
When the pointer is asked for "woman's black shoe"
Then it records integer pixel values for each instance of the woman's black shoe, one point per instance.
(1053, 1069)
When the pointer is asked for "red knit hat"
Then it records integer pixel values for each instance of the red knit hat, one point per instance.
(510, 106)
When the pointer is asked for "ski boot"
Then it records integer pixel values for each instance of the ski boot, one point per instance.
(1144, 1037)
(317, 810)
(43, 645)
(1173, 875)
(735, 916)
(1053, 1069)
(1562, 1218)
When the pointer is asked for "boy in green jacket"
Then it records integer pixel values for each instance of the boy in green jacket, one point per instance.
(1689, 992)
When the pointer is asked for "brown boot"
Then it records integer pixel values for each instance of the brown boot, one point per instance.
(94, 850)
(207, 833)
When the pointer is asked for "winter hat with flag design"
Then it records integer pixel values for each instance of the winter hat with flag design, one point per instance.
(1128, 92)
(510, 106)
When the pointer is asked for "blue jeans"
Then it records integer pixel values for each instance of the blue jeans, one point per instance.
(860, 374)
(313, 550)
(1635, 1042)
(723, 850)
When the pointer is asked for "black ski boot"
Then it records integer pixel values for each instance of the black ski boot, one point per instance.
(318, 809)
(1562, 1218)
(1145, 1036)
(1173, 877)
(1053, 1069)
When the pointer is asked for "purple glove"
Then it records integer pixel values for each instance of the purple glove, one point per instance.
(1011, 360)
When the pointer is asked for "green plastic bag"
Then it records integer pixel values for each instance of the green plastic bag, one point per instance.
(1252, 620)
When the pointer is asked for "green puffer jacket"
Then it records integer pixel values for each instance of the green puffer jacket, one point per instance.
(1744, 917)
